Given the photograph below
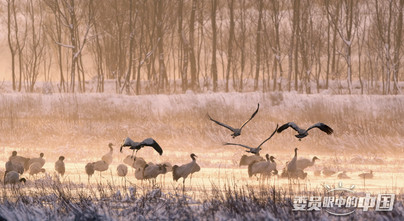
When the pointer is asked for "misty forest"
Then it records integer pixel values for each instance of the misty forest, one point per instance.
(200, 109)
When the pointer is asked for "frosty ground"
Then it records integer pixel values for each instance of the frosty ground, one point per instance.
(368, 135)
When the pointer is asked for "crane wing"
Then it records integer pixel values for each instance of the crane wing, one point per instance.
(152, 143)
(129, 143)
(289, 124)
(221, 124)
(269, 136)
(252, 116)
(322, 127)
(241, 145)
(196, 168)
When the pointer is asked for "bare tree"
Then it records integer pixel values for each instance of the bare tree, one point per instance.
(194, 77)
(214, 44)
(183, 55)
(16, 41)
(276, 16)
(344, 27)
(258, 44)
(163, 80)
(332, 18)
(10, 8)
(66, 11)
(295, 39)
(398, 47)
(132, 23)
(241, 41)
(389, 36)
(35, 48)
(230, 43)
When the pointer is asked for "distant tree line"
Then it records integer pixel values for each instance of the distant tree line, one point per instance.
(161, 46)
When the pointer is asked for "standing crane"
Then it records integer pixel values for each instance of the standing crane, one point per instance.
(185, 170)
(108, 156)
(60, 166)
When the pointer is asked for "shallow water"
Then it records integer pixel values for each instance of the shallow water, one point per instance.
(388, 177)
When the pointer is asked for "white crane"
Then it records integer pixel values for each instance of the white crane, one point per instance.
(89, 170)
(343, 175)
(151, 171)
(185, 170)
(247, 160)
(264, 168)
(13, 177)
(15, 159)
(328, 172)
(366, 175)
(303, 163)
(108, 156)
(101, 166)
(60, 165)
(10, 166)
(135, 162)
(236, 131)
(35, 168)
(39, 160)
(139, 173)
(122, 171)
(292, 165)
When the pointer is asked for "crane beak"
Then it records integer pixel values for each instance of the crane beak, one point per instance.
(120, 150)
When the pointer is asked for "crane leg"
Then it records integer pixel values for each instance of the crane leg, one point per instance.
(190, 180)
(134, 153)
(183, 186)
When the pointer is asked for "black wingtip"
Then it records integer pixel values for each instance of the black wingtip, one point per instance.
(326, 128)
(282, 128)
(210, 118)
(330, 131)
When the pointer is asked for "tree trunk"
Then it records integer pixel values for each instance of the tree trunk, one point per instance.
(258, 44)
(397, 48)
(163, 81)
(194, 80)
(10, 43)
(296, 29)
(131, 40)
(230, 43)
(214, 46)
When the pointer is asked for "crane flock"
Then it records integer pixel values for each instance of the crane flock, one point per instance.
(257, 165)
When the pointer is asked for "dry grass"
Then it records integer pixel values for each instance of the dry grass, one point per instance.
(51, 199)
(179, 122)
